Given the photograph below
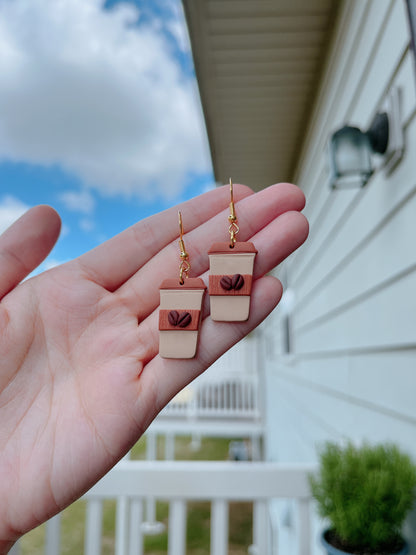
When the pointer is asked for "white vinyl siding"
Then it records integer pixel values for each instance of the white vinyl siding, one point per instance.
(352, 369)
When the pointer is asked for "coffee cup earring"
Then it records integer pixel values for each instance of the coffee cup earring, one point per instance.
(231, 274)
(180, 309)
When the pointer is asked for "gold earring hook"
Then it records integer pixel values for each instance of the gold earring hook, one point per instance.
(232, 218)
(184, 266)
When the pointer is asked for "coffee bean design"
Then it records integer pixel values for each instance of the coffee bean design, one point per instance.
(173, 317)
(235, 282)
(226, 283)
(184, 320)
(179, 320)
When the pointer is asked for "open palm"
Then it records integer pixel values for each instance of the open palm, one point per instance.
(80, 374)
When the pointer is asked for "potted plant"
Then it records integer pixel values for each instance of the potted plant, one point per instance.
(366, 493)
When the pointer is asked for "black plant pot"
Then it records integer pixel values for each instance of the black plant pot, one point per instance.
(331, 550)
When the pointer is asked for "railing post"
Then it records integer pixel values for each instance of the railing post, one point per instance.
(93, 527)
(260, 528)
(304, 529)
(151, 446)
(219, 527)
(177, 527)
(169, 447)
(256, 453)
(233, 397)
(53, 535)
(196, 442)
(15, 550)
(122, 525)
(136, 535)
(151, 526)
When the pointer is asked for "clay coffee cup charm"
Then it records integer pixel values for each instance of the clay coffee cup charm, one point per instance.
(180, 309)
(179, 317)
(231, 276)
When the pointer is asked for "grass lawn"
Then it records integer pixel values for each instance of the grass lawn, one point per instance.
(198, 519)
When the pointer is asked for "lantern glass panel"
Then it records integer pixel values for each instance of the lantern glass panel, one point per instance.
(350, 154)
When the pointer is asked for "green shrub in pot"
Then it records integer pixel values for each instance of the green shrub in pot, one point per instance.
(365, 493)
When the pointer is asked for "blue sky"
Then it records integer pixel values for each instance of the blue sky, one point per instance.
(100, 115)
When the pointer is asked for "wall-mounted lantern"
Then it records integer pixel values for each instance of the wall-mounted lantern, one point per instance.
(351, 150)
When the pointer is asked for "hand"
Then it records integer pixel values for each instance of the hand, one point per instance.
(80, 374)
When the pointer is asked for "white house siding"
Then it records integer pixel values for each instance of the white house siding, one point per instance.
(351, 372)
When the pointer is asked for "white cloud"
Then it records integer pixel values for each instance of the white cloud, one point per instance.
(175, 25)
(11, 208)
(65, 230)
(87, 225)
(78, 201)
(84, 88)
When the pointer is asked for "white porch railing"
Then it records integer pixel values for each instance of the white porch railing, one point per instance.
(229, 406)
(131, 483)
(234, 396)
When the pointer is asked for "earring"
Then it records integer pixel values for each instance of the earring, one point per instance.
(231, 274)
(180, 309)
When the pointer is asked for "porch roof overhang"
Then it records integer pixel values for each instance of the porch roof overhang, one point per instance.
(258, 65)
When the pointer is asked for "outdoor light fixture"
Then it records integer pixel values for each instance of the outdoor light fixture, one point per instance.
(351, 150)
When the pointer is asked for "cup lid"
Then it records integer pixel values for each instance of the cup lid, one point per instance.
(189, 283)
(224, 248)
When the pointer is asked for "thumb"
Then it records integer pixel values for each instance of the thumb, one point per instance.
(25, 244)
